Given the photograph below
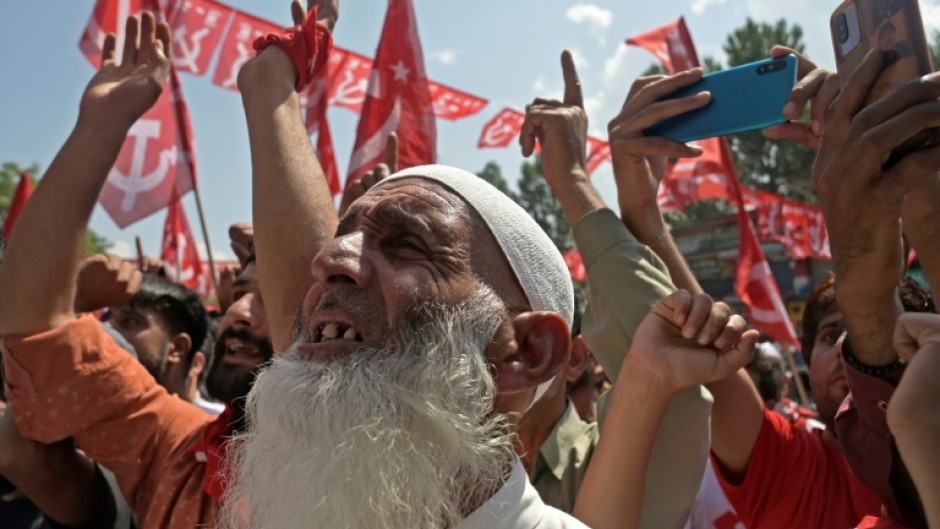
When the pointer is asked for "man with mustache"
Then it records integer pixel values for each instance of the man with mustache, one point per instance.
(65, 377)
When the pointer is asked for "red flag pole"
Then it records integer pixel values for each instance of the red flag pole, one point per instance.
(182, 118)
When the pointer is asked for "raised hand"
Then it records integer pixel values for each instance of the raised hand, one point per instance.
(914, 332)
(242, 237)
(816, 87)
(105, 281)
(376, 175)
(327, 11)
(640, 161)
(561, 129)
(689, 340)
(122, 92)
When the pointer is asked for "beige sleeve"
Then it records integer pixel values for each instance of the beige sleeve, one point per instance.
(626, 280)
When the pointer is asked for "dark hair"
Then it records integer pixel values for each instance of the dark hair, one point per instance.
(913, 298)
(769, 371)
(179, 307)
(819, 302)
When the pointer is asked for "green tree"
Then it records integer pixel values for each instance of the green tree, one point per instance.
(935, 48)
(10, 178)
(777, 166)
(536, 198)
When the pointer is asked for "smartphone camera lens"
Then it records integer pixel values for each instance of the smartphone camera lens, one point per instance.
(842, 28)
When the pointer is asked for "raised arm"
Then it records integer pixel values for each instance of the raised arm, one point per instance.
(292, 207)
(37, 280)
(914, 411)
(661, 362)
(626, 281)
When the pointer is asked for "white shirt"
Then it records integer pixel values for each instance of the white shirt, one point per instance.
(712, 510)
(518, 506)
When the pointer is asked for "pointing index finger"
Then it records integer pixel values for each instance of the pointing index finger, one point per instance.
(573, 94)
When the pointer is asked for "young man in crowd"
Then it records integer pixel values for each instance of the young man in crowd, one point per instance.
(165, 452)
(853, 167)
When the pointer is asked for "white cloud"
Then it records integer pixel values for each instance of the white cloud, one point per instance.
(123, 249)
(596, 16)
(700, 6)
(930, 12)
(615, 65)
(444, 56)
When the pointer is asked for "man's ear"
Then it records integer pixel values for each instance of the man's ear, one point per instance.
(577, 360)
(179, 347)
(542, 342)
(197, 365)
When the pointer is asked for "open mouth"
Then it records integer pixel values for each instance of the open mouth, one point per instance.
(333, 330)
(242, 352)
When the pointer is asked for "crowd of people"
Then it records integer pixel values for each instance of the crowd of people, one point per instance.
(421, 362)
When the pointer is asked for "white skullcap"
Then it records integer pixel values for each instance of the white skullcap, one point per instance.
(535, 261)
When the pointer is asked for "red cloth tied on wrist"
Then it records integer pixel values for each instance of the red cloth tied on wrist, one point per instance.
(308, 45)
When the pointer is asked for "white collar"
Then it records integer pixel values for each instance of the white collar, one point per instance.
(516, 505)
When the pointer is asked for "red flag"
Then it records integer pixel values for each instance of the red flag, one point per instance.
(755, 284)
(397, 98)
(20, 196)
(316, 120)
(452, 104)
(349, 79)
(501, 129)
(754, 281)
(671, 44)
(236, 48)
(197, 26)
(180, 253)
(156, 160)
(575, 265)
(598, 153)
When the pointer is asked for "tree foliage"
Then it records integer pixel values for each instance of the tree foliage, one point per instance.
(10, 178)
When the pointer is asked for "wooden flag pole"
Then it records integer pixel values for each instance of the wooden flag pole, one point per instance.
(794, 368)
(205, 237)
(182, 120)
(140, 254)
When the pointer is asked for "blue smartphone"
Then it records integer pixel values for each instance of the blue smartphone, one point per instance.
(746, 97)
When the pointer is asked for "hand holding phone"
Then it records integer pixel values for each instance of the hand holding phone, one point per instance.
(747, 97)
(896, 28)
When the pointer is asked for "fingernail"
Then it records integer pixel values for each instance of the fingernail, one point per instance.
(688, 333)
(703, 340)
(817, 127)
(789, 111)
(680, 319)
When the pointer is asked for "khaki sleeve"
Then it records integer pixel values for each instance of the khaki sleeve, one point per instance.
(626, 280)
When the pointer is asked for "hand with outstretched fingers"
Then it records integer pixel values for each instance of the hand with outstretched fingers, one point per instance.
(380, 172)
(327, 11)
(640, 161)
(689, 340)
(816, 87)
(560, 127)
(122, 92)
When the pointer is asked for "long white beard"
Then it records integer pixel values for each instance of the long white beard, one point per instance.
(402, 437)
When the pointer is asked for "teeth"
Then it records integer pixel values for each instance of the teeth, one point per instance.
(350, 334)
(330, 331)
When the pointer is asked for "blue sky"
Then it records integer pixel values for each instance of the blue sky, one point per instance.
(504, 51)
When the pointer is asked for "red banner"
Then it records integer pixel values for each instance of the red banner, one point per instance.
(236, 48)
(598, 153)
(180, 253)
(397, 98)
(671, 44)
(452, 104)
(502, 129)
(575, 265)
(156, 160)
(23, 191)
(198, 27)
